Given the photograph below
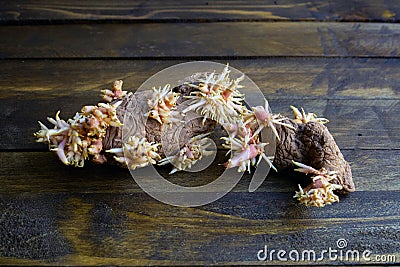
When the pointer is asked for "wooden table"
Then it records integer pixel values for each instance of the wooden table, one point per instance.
(339, 60)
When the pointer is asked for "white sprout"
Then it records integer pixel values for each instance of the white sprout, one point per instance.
(136, 153)
(217, 97)
(302, 117)
(191, 153)
(320, 192)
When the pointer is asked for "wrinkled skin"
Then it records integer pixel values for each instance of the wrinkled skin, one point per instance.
(312, 144)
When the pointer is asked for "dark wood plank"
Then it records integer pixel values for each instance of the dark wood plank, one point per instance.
(42, 172)
(314, 10)
(126, 229)
(360, 124)
(199, 40)
(279, 78)
(359, 96)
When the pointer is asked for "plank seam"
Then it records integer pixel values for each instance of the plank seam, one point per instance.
(177, 58)
(33, 22)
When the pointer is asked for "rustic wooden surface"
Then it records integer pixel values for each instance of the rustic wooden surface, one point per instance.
(122, 10)
(205, 40)
(340, 60)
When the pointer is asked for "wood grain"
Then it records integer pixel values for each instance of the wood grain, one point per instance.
(361, 124)
(126, 229)
(122, 10)
(46, 174)
(359, 96)
(201, 40)
(279, 78)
